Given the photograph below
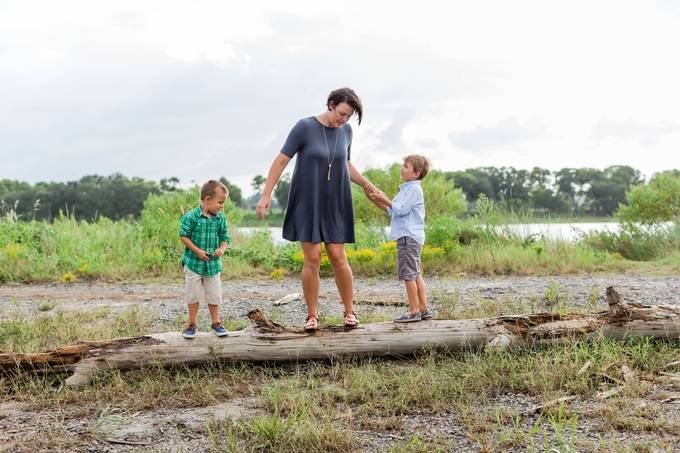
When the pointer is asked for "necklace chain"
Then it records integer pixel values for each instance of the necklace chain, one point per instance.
(328, 151)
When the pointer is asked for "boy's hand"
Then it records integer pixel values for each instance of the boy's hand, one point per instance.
(380, 197)
(217, 253)
(203, 256)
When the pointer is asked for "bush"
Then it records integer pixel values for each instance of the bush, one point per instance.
(441, 198)
(162, 213)
(447, 232)
(635, 243)
(656, 202)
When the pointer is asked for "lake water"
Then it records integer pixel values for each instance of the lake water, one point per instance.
(564, 231)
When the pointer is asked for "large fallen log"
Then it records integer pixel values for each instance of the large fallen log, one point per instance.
(264, 341)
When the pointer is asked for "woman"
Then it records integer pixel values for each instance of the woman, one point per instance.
(320, 199)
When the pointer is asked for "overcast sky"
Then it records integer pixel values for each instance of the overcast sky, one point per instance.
(203, 89)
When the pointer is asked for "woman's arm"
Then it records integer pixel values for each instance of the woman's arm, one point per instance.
(355, 176)
(273, 176)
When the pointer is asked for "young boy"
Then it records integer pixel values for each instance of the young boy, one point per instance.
(203, 231)
(408, 229)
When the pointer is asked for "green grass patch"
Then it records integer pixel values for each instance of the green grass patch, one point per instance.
(71, 250)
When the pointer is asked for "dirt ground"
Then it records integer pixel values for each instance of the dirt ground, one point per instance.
(184, 429)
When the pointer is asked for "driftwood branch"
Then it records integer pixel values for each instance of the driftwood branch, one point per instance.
(264, 341)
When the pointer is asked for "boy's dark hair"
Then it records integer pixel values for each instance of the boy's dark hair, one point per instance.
(349, 97)
(210, 188)
(420, 163)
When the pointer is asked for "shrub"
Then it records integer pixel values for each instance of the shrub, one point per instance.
(161, 215)
(656, 202)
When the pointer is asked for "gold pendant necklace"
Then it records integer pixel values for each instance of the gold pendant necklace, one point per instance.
(328, 151)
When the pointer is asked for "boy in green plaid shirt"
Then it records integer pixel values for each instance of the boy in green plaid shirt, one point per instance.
(203, 231)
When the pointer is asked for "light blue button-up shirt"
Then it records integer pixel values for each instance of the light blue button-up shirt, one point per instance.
(408, 213)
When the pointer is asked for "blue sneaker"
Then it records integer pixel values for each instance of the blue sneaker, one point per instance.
(190, 331)
(426, 314)
(219, 329)
(413, 317)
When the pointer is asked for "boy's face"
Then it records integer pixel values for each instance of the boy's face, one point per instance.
(407, 172)
(214, 204)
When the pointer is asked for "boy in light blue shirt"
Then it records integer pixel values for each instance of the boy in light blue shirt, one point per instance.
(408, 229)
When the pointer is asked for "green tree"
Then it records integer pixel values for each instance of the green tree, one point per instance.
(472, 182)
(441, 198)
(258, 184)
(169, 184)
(574, 183)
(505, 184)
(281, 191)
(234, 192)
(115, 197)
(540, 177)
(656, 202)
(162, 212)
(542, 198)
(608, 190)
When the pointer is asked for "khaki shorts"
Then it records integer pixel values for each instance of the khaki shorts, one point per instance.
(408, 258)
(198, 285)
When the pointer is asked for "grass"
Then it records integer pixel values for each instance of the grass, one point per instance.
(273, 219)
(326, 406)
(70, 250)
(333, 406)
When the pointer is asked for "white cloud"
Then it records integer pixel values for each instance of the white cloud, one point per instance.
(647, 135)
(507, 133)
(201, 89)
(391, 137)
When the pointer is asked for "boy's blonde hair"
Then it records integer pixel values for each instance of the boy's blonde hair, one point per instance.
(210, 188)
(420, 163)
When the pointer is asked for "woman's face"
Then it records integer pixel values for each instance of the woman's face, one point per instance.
(340, 114)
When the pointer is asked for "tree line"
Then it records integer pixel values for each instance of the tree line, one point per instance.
(115, 197)
(569, 190)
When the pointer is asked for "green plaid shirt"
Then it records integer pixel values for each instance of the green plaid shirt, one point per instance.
(207, 234)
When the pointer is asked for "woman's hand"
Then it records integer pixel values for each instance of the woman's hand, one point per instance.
(370, 190)
(263, 206)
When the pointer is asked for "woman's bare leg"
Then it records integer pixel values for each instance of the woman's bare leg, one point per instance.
(310, 276)
(343, 274)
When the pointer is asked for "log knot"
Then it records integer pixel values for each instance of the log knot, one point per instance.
(259, 321)
(617, 307)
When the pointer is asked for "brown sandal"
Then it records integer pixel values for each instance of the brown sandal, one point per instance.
(351, 318)
(312, 322)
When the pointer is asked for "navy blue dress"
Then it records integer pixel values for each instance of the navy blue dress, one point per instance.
(319, 210)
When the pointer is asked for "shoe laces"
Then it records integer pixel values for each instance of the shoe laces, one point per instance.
(191, 326)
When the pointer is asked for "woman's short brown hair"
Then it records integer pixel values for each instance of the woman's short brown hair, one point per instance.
(349, 97)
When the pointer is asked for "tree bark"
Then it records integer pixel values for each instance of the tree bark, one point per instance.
(265, 341)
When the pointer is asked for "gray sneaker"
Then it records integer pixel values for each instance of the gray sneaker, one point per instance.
(426, 314)
(414, 317)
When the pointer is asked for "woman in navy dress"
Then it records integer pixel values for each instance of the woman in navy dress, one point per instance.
(320, 206)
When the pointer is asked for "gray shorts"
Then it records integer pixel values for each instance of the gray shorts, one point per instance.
(408, 258)
(199, 286)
